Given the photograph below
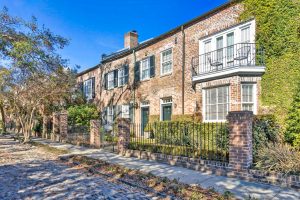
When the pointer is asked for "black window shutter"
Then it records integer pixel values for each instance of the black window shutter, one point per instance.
(93, 88)
(105, 81)
(115, 113)
(104, 115)
(137, 72)
(131, 112)
(152, 66)
(81, 87)
(116, 78)
(126, 71)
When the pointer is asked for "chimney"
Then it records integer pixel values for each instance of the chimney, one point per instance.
(131, 39)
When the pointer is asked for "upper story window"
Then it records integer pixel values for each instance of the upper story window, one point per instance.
(166, 62)
(216, 103)
(117, 77)
(249, 97)
(110, 80)
(122, 76)
(88, 88)
(245, 34)
(144, 69)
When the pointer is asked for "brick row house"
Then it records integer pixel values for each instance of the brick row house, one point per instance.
(202, 69)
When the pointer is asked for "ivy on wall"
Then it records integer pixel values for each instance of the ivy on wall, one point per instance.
(278, 31)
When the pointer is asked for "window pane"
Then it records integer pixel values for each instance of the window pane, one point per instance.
(245, 35)
(166, 61)
(217, 103)
(248, 97)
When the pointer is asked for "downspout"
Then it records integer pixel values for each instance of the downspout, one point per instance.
(183, 67)
(134, 61)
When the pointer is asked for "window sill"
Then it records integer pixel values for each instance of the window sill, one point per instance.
(167, 74)
(145, 80)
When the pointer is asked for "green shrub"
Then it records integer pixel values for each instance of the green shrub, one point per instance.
(82, 114)
(198, 135)
(265, 130)
(278, 158)
(277, 32)
(292, 134)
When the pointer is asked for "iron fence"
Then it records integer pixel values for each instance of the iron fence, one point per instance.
(208, 141)
(238, 55)
(79, 135)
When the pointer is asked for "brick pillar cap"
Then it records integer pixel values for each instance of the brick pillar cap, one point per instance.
(241, 115)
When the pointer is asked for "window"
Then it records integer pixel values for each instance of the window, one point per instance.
(166, 109)
(125, 111)
(87, 89)
(110, 115)
(230, 47)
(145, 69)
(166, 62)
(207, 55)
(110, 80)
(248, 97)
(245, 35)
(216, 103)
(121, 76)
(220, 49)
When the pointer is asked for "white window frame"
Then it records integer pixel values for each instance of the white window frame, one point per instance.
(237, 31)
(88, 84)
(121, 76)
(125, 111)
(148, 68)
(165, 101)
(254, 94)
(204, 103)
(163, 62)
(110, 83)
(110, 115)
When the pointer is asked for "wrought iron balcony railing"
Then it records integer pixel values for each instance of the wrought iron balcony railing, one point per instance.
(238, 55)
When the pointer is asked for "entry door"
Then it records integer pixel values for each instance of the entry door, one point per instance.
(167, 112)
(145, 118)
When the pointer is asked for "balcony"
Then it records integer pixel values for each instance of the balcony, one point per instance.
(239, 59)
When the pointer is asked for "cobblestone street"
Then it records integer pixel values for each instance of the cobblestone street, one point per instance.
(26, 172)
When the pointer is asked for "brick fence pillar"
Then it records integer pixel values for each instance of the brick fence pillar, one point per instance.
(55, 130)
(63, 125)
(240, 139)
(95, 137)
(123, 134)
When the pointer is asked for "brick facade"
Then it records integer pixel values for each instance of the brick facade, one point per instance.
(177, 85)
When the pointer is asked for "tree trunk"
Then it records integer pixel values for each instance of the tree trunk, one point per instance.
(45, 126)
(3, 118)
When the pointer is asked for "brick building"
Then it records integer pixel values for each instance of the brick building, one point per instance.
(201, 69)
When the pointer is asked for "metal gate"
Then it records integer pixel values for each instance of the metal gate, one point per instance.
(109, 139)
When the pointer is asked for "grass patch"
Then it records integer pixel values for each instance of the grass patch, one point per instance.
(144, 180)
(49, 149)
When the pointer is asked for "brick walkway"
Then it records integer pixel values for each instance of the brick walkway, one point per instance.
(28, 173)
(241, 189)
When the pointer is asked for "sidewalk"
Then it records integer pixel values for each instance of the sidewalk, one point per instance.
(241, 189)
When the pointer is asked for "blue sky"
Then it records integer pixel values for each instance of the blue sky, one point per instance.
(95, 27)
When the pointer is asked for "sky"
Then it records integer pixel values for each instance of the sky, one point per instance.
(95, 27)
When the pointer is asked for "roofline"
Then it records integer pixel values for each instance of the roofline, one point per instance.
(173, 31)
(88, 70)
